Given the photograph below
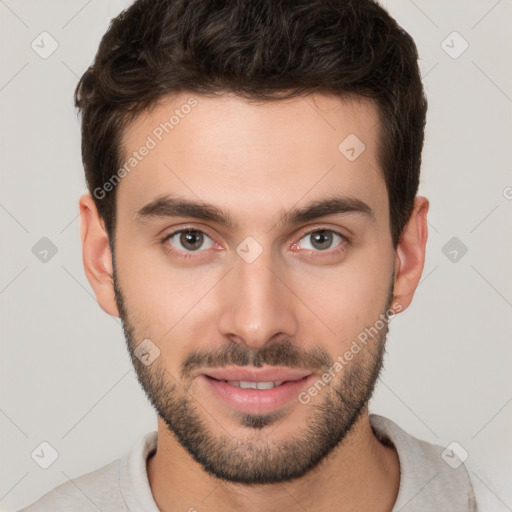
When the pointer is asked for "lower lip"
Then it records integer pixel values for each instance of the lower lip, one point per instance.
(257, 401)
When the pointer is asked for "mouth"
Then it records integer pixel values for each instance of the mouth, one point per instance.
(246, 384)
(255, 390)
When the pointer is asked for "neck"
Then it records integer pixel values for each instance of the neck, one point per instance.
(360, 474)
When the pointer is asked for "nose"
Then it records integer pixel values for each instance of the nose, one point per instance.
(257, 305)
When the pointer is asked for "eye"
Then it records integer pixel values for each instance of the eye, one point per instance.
(189, 240)
(320, 240)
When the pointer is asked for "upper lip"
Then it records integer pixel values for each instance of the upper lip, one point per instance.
(270, 374)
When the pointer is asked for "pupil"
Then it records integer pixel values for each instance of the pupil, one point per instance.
(187, 240)
(322, 239)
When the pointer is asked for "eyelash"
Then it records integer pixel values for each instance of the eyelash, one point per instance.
(190, 254)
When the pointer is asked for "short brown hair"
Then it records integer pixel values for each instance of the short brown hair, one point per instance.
(262, 50)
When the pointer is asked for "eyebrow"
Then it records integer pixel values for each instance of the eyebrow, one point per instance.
(169, 206)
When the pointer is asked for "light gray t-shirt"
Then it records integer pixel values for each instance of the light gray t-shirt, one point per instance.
(427, 482)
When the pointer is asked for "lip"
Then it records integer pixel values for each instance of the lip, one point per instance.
(255, 401)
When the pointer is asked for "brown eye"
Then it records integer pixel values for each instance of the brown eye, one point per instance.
(189, 240)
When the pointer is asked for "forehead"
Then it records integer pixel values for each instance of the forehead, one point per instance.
(254, 156)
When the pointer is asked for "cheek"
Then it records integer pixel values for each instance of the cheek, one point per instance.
(344, 300)
(171, 305)
(160, 287)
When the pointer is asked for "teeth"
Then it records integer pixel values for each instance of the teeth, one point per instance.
(266, 385)
(244, 384)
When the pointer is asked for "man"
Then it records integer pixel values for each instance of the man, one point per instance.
(253, 168)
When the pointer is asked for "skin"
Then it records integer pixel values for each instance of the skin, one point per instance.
(258, 161)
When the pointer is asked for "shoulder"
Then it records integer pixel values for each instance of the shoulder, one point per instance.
(98, 489)
(119, 486)
(430, 475)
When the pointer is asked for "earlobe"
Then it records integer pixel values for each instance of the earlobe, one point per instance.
(96, 255)
(410, 254)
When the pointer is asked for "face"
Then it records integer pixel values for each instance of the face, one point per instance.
(253, 253)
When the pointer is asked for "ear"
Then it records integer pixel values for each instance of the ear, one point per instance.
(97, 258)
(410, 254)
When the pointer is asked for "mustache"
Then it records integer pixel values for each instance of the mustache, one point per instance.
(276, 354)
